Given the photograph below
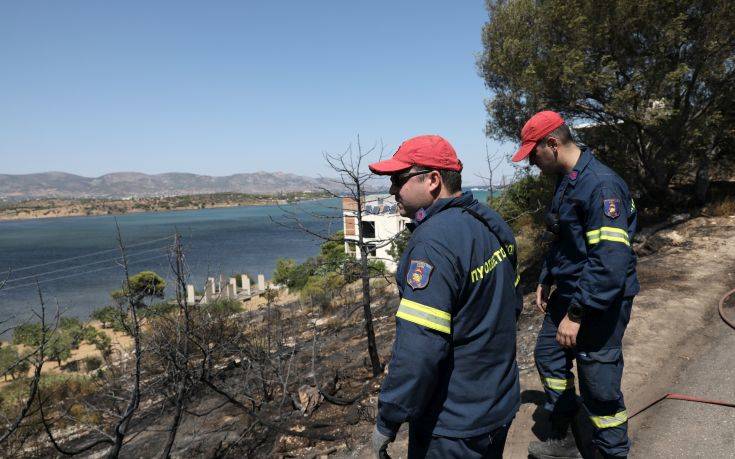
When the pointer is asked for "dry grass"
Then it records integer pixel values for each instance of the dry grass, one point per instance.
(722, 208)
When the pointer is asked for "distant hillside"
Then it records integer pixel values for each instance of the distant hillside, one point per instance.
(134, 184)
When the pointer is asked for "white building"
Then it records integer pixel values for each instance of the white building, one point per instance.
(380, 224)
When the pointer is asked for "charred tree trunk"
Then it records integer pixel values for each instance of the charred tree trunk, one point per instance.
(703, 180)
(365, 274)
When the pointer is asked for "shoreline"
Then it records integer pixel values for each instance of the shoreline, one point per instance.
(75, 208)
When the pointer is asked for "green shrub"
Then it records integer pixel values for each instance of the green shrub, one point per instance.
(226, 307)
(320, 290)
(10, 364)
(92, 363)
(158, 309)
(528, 197)
(376, 268)
(108, 315)
(28, 334)
(59, 346)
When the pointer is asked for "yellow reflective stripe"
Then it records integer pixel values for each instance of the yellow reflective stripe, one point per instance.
(605, 422)
(423, 315)
(558, 384)
(518, 279)
(608, 233)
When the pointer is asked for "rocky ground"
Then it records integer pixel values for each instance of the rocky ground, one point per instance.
(685, 272)
(689, 267)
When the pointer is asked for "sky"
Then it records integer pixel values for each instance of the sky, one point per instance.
(226, 87)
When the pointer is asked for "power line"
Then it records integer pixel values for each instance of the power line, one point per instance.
(90, 254)
(69, 268)
(76, 274)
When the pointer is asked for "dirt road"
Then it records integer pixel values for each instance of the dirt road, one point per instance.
(675, 428)
(674, 323)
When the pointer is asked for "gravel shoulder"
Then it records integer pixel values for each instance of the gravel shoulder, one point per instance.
(673, 325)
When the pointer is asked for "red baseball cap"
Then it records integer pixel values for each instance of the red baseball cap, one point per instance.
(430, 151)
(536, 129)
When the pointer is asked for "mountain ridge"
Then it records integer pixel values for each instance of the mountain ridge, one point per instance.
(117, 185)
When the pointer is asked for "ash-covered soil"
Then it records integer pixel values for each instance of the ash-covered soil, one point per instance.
(687, 270)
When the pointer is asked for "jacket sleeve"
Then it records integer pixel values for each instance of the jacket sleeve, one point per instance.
(423, 338)
(546, 278)
(608, 248)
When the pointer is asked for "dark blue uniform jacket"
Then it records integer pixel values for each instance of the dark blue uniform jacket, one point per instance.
(592, 262)
(453, 370)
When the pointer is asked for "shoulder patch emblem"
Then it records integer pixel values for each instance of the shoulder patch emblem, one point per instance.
(611, 207)
(418, 274)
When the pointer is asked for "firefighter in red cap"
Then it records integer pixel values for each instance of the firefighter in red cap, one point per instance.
(592, 268)
(452, 375)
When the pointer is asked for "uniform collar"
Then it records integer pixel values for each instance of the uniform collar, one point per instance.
(584, 159)
(463, 200)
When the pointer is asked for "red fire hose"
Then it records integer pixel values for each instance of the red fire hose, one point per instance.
(689, 398)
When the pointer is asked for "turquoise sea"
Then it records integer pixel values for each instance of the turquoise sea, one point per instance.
(75, 259)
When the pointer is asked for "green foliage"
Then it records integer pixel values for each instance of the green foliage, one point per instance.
(293, 275)
(270, 294)
(59, 346)
(74, 328)
(398, 245)
(92, 363)
(106, 315)
(223, 306)
(376, 268)
(145, 284)
(28, 334)
(319, 279)
(111, 317)
(527, 197)
(319, 290)
(10, 364)
(332, 256)
(655, 78)
(99, 339)
(158, 309)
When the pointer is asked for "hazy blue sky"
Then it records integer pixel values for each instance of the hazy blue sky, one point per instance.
(91, 87)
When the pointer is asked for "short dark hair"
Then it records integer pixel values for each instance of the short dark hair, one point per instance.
(563, 133)
(452, 180)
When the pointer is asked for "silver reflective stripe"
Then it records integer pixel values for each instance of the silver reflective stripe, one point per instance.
(608, 233)
(605, 422)
(426, 316)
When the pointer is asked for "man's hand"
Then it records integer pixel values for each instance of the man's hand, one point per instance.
(379, 443)
(542, 296)
(566, 334)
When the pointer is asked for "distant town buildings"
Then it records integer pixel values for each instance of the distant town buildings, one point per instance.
(380, 224)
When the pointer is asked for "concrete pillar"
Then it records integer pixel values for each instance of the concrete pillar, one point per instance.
(245, 284)
(210, 290)
(231, 291)
(261, 282)
(221, 284)
(190, 298)
(233, 283)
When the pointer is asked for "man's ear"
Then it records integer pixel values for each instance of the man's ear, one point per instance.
(435, 181)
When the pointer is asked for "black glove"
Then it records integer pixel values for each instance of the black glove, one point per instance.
(379, 443)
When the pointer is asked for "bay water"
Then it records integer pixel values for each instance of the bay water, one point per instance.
(76, 259)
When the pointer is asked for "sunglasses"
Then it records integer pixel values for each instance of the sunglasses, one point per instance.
(400, 179)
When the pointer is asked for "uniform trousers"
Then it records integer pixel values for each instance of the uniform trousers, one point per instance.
(486, 446)
(599, 357)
